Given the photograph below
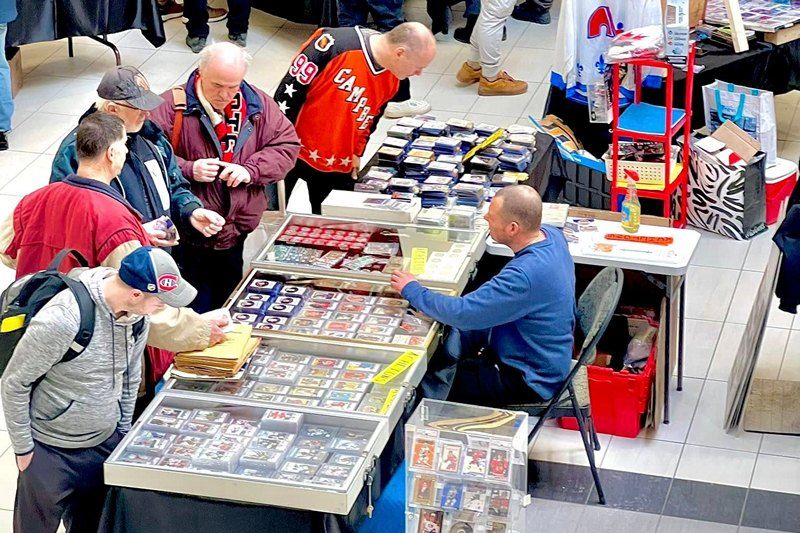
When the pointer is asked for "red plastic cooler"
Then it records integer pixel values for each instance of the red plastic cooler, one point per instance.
(781, 179)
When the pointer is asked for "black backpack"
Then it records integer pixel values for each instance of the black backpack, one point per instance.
(25, 297)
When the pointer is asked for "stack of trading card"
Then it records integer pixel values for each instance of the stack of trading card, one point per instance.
(401, 132)
(485, 130)
(459, 125)
(434, 128)
(447, 145)
(390, 155)
(443, 169)
(470, 194)
(434, 195)
(484, 165)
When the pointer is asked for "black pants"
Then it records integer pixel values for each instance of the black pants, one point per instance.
(196, 11)
(463, 371)
(214, 273)
(320, 184)
(62, 483)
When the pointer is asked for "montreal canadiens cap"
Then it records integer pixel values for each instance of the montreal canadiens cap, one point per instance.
(153, 271)
(127, 84)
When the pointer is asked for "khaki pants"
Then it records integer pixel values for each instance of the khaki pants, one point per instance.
(488, 33)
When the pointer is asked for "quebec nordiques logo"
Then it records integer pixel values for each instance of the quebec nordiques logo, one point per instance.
(167, 282)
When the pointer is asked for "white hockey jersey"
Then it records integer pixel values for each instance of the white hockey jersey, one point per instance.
(585, 27)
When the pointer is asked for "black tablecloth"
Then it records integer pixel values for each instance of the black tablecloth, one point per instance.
(317, 12)
(49, 20)
(764, 66)
(146, 511)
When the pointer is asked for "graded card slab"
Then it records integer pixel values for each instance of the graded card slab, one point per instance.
(451, 496)
(424, 490)
(450, 457)
(430, 521)
(423, 453)
(475, 462)
(499, 467)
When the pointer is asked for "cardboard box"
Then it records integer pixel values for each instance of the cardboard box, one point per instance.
(14, 57)
(736, 139)
(697, 11)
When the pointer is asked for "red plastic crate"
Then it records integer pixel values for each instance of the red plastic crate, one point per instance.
(619, 399)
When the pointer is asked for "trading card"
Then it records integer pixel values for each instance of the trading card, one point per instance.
(260, 459)
(307, 392)
(409, 340)
(451, 496)
(244, 318)
(341, 325)
(430, 521)
(408, 328)
(266, 397)
(138, 458)
(296, 291)
(269, 388)
(288, 300)
(285, 377)
(155, 442)
(424, 490)
(310, 442)
(315, 314)
(326, 295)
(289, 476)
(191, 440)
(381, 339)
(260, 357)
(339, 405)
(173, 412)
(369, 329)
(351, 317)
(280, 366)
(388, 321)
(349, 386)
(355, 434)
(251, 306)
(311, 323)
(363, 365)
(328, 481)
(475, 462)
(474, 498)
(312, 332)
(217, 459)
(234, 389)
(318, 432)
(323, 305)
(349, 445)
(164, 423)
(327, 362)
(254, 372)
(301, 402)
(308, 455)
(337, 471)
(499, 464)
(294, 358)
(227, 443)
(354, 308)
(357, 375)
(320, 372)
(339, 334)
(344, 459)
(257, 297)
(362, 299)
(277, 441)
(264, 286)
(203, 429)
(292, 467)
(266, 326)
(175, 462)
(252, 472)
(369, 409)
(241, 427)
(280, 310)
(344, 396)
(423, 453)
(319, 383)
(279, 419)
(496, 527)
(396, 312)
(183, 451)
(498, 502)
(391, 302)
(450, 457)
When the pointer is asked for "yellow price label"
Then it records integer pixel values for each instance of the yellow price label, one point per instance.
(419, 258)
(397, 367)
(488, 142)
(389, 400)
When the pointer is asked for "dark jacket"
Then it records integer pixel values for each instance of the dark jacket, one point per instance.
(267, 147)
(787, 238)
(142, 179)
(8, 11)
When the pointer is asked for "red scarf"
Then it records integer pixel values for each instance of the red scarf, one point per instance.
(228, 130)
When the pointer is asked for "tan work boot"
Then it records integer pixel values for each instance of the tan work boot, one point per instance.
(503, 85)
(467, 75)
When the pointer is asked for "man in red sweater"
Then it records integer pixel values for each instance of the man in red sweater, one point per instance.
(335, 92)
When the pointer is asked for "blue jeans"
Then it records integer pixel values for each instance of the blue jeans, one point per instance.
(472, 8)
(386, 13)
(6, 101)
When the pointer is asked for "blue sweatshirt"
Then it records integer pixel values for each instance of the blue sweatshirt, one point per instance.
(529, 306)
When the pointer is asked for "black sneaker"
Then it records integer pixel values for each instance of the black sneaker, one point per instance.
(3, 141)
(534, 14)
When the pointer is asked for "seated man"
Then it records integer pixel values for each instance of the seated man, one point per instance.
(521, 320)
(150, 179)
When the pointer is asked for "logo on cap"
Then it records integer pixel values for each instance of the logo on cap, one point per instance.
(167, 282)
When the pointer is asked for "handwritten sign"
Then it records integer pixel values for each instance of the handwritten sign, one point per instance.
(389, 400)
(397, 367)
(419, 258)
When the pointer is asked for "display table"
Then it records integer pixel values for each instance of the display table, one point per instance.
(672, 268)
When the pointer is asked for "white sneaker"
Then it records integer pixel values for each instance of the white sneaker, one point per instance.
(409, 108)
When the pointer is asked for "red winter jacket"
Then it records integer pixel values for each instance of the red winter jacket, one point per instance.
(267, 147)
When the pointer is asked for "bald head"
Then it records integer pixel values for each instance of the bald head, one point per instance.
(406, 49)
(521, 204)
(224, 55)
(222, 70)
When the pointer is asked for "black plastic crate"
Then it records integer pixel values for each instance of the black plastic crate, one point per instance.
(580, 185)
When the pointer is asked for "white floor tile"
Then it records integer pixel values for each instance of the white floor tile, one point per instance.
(602, 519)
(682, 407)
(714, 250)
(446, 52)
(34, 54)
(36, 90)
(725, 353)
(503, 105)
(164, 69)
(777, 318)
(448, 96)
(744, 296)
(786, 445)
(790, 369)
(644, 456)
(13, 162)
(8, 473)
(770, 356)
(758, 253)
(780, 474)
(712, 465)
(60, 64)
(498, 120)
(707, 426)
(699, 345)
(671, 524)
(529, 64)
(421, 85)
(41, 130)
(35, 175)
(536, 105)
(709, 292)
(791, 150)
(134, 57)
(538, 36)
(558, 445)
(74, 99)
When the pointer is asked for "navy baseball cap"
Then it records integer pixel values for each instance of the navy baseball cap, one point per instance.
(127, 84)
(153, 271)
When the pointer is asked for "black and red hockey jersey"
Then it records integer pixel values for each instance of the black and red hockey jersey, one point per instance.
(334, 94)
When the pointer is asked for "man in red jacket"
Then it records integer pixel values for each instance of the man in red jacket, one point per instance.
(230, 141)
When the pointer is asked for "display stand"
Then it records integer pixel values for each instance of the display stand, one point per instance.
(467, 469)
(648, 122)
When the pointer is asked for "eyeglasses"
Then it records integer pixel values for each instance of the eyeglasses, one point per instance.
(125, 105)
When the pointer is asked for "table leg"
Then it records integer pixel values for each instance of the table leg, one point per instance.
(109, 44)
(70, 50)
(681, 307)
(667, 353)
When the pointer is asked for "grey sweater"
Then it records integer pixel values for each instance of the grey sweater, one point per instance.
(80, 403)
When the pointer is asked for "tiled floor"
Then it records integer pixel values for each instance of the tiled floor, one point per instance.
(685, 463)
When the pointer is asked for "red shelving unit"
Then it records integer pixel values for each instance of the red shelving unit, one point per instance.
(648, 122)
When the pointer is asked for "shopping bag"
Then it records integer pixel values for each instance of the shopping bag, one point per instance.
(753, 110)
(729, 200)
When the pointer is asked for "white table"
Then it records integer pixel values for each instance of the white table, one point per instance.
(651, 264)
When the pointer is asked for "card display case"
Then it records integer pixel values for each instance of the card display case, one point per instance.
(467, 469)
(288, 305)
(372, 250)
(241, 450)
(328, 377)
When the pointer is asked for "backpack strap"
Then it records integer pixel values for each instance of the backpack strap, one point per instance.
(86, 314)
(55, 264)
(138, 328)
(179, 105)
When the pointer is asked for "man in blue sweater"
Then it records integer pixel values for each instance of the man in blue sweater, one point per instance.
(519, 323)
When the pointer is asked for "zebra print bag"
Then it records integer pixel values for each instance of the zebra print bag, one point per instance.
(727, 200)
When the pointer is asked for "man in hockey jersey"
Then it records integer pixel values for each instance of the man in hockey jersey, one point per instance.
(335, 92)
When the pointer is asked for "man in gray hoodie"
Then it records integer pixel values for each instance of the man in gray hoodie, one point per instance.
(65, 418)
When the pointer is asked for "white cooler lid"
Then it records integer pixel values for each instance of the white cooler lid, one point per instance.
(781, 170)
